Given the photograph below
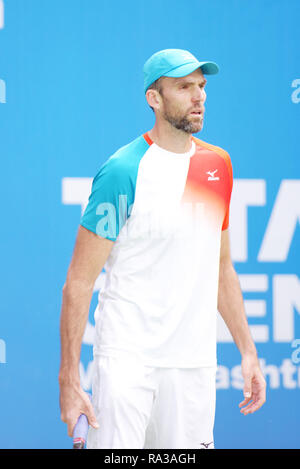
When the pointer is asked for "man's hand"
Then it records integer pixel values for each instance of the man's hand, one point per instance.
(74, 402)
(254, 385)
(89, 257)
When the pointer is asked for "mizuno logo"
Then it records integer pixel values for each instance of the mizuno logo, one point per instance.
(206, 445)
(212, 175)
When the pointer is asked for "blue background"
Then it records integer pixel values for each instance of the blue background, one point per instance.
(74, 95)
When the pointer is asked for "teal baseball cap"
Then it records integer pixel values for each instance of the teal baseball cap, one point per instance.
(174, 63)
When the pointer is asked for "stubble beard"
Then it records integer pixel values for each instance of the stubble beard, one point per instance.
(183, 123)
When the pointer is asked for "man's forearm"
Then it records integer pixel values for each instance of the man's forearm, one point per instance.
(232, 310)
(74, 314)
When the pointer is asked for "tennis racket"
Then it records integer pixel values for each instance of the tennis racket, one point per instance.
(80, 431)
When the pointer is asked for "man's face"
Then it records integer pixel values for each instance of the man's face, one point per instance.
(183, 101)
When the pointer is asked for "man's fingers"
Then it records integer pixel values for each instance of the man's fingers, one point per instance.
(253, 408)
(71, 426)
(254, 405)
(247, 389)
(70, 420)
(245, 402)
(89, 412)
(92, 419)
(254, 387)
(247, 386)
(73, 408)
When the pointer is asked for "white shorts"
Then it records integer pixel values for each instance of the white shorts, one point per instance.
(139, 407)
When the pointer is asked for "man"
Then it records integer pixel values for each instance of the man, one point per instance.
(157, 219)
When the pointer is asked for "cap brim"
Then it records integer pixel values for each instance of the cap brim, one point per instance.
(208, 68)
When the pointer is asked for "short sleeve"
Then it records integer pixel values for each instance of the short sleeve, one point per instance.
(229, 191)
(108, 205)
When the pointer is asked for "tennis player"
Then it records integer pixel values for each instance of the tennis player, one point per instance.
(157, 220)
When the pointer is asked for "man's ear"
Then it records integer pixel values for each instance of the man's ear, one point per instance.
(153, 98)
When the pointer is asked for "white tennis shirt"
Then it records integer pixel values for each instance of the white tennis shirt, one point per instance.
(165, 213)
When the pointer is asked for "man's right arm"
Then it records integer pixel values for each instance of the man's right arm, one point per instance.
(90, 254)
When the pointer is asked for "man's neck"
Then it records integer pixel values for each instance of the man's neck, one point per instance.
(171, 139)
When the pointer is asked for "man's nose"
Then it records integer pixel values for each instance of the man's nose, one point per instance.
(199, 95)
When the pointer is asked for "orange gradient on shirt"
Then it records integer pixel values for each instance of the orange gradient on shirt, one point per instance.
(209, 182)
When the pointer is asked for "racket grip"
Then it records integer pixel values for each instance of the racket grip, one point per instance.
(80, 431)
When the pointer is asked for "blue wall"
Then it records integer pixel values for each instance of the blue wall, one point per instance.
(71, 93)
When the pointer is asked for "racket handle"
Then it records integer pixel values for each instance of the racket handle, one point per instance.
(80, 431)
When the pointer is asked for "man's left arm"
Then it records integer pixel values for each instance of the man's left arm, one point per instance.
(232, 310)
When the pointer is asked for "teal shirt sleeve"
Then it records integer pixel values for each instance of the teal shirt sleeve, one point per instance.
(113, 192)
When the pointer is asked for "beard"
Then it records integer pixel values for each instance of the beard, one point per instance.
(183, 123)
